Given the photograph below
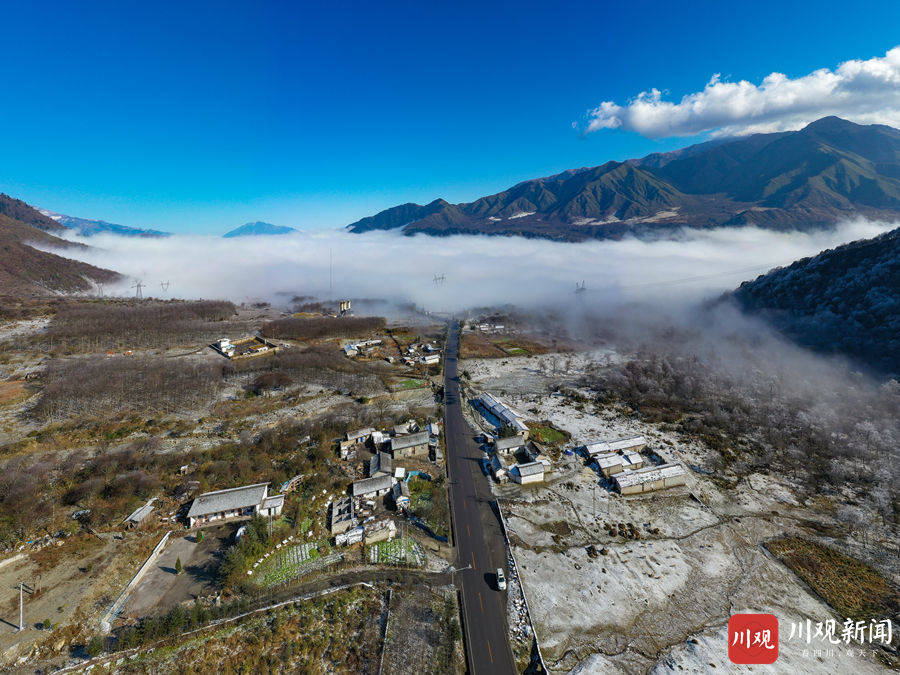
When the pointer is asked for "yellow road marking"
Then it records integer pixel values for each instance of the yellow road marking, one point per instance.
(474, 566)
(468, 530)
(480, 602)
(490, 651)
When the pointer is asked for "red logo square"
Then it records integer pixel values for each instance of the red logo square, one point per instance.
(753, 638)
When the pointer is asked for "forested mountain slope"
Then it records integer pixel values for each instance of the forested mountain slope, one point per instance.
(845, 300)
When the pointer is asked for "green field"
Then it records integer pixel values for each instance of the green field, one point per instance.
(290, 562)
(400, 551)
(547, 434)
(410, 383)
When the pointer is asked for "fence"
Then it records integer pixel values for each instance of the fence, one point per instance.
(521, 586)
(116, 607)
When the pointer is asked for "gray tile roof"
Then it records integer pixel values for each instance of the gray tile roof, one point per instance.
(381, 462)
(530, 469)
(228, 500)
(369, 485)
(509, 442)
(408, 441)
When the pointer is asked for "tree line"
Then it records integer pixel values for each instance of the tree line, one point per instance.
(303, 328)
(118, 326)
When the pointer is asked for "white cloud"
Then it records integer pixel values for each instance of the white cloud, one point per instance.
(479, 270)
(862, 91)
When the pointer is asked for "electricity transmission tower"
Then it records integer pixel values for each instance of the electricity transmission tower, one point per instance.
(580, 288)
(164, 285)
(23, 588)
(439, 279)
(138, 286)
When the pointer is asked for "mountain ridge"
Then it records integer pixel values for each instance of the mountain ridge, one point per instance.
(258, 228)
(843, 300)
(24, 268)
(88, 227)
(830, 169)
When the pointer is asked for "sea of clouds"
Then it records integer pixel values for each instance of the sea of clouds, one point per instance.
(477, 270)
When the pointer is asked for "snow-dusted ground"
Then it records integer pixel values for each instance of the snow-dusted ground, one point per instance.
(660, 602)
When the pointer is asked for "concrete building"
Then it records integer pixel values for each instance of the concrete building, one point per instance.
(531, 472)
(498, 469)
(400, 494)
(509, 445)
(349, 537)
(234, 503)
(610, 463)
(342, 516)
(379, 530)
(634, 443)
(410, 446)
(650, 478)
(431, 359)
(372, 487)
(381, 463)
(505, 415)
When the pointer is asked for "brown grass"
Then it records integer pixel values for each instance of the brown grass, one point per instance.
(850, 586)
(12, 391)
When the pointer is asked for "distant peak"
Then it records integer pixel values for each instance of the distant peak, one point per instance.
(258, 227)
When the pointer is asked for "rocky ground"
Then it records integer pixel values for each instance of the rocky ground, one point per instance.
(656, 594)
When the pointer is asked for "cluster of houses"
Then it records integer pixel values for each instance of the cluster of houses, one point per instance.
(490, 327)
(533, 465)
(422, 353)
(621, 461)
(364, 347)
(402, 441)
(242, 348)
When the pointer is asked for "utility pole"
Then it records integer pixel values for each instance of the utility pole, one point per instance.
(23, 588)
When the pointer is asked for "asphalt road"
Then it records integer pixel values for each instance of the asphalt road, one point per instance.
(479, 540)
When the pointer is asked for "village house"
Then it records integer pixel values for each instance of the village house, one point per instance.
(410, 446)
(530, 472)
(360, 435)
(610, 463)
(372, 487)
(342, 515)
(509, 445)
(237, 502)
(400, 494)
(431, 359)
(632, 443)
(507, 416)
(139, 515)
(350, 537)
(381, 463)
(650, 478)
(498, 469)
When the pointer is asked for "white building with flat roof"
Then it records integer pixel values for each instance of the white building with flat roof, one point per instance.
(635, 443)
(650, 478)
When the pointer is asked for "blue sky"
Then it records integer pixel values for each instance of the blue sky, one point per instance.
(201, 116)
